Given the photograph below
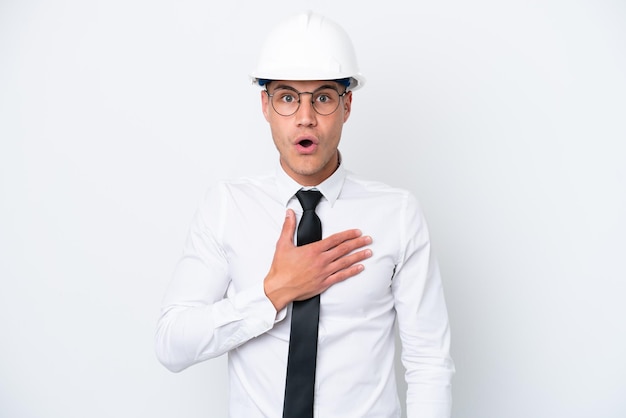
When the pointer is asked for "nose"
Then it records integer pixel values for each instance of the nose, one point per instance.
(306, 114)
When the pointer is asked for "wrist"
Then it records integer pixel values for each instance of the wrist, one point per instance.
(276, 294)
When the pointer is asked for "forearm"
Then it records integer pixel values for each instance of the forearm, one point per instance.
(425, 335)
(191, 333)
(428, 377)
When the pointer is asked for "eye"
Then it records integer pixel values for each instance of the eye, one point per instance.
(287, 97)
(326, 96)
(323, 98)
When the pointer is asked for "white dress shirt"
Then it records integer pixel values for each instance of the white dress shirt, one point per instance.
(216, 303)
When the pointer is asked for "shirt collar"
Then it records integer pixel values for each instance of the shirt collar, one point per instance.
(330, 188)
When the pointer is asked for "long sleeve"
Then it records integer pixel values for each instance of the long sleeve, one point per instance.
(422, 320)
(202, 317)
(216, 302)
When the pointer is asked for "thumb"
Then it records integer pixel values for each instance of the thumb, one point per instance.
(289, 228)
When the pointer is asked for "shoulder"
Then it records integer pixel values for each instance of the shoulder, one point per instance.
(361, 186)
(223, 195)
(397, 203)
(226, 198)
(241, 186)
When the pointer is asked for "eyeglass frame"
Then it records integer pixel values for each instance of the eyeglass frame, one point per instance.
(300, 93)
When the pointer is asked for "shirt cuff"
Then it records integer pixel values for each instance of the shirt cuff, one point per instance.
(259, 310)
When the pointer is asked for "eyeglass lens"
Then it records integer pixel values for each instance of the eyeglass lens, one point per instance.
(286, 101)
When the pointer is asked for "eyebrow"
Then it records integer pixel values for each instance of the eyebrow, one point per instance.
(322, 87)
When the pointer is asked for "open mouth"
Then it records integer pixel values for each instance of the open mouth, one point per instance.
(305, 143)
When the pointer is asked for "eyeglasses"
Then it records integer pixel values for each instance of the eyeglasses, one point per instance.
(286, 101)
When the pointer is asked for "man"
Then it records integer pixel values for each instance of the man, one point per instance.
(244, 287)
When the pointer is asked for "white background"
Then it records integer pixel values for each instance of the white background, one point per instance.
(506, 118)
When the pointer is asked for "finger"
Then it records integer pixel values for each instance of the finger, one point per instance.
(349, 260)
(346, 247)
(338, 238)
(343, 274)
(289, 227)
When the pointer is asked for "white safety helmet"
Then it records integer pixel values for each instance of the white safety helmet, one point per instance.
(308, 47)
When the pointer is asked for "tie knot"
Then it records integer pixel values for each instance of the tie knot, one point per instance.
(309, 198)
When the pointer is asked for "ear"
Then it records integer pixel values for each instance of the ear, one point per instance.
(347, 106)
(265, 104)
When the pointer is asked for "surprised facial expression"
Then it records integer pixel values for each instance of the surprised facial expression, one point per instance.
(306, 140)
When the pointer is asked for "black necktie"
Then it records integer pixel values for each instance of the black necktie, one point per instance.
(300, 382)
